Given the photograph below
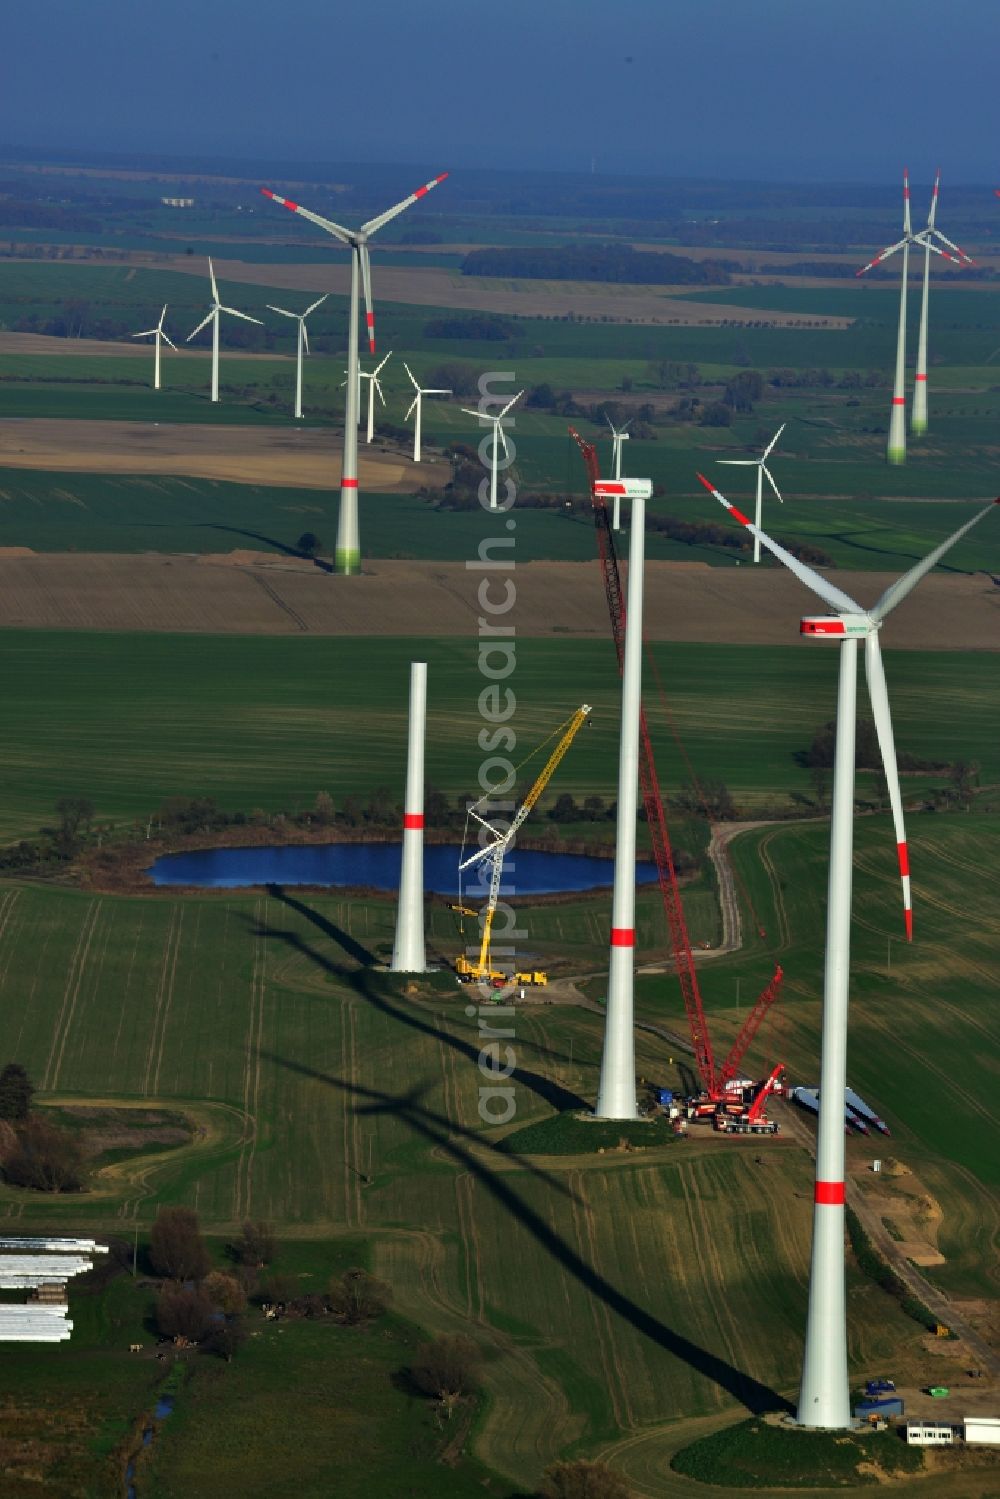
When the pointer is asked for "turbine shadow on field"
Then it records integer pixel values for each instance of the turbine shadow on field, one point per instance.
(439, 1131)
(271, 541)
(361, 981)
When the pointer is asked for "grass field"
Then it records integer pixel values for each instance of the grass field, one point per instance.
(641, 1282)
(128, 720)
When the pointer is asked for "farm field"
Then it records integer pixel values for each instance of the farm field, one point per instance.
(130, 719)
(251, 1011)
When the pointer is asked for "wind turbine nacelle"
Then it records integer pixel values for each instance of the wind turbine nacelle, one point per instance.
(629, 489)
(835, 626)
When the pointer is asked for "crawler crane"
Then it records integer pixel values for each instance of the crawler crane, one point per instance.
(482, 970)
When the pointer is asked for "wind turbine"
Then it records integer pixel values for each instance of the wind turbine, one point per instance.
(824, 1395)
(303, 343)
(417, 405)
(159, 334)
(348, 553)
(618, 436)
(213, 318)
(760, 464)
(918, 420)
(896, 446)
(499, 439)
(373, 387)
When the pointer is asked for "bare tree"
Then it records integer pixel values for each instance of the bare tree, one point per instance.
(255, 1244)
(225, 1292)
(176, 1246)
(583, 1480)
(183, 1313)
(357, 1297)
(447, 1368)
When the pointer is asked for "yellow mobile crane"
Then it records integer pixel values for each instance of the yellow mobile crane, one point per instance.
(494, 854)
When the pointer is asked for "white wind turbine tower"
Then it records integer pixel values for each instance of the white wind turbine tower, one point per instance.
(499, 440)
(618, 436)
(159, 334)
(824, 1395)
(918, 421)
(348, 552)
(896, 446)
(760, 464)
(302, 343)
(417, 405)
(213, 318)
(374, 388)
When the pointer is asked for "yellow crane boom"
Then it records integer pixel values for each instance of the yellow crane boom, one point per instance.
(494, 853)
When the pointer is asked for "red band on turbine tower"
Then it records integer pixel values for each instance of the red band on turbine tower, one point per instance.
(348, 483)
(622, 936)
(920, 377)
(899, 400)
(413, 820)
(830, 1194)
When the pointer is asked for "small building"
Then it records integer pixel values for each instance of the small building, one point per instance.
(930, 1434)
(983, 1430)
(177, 202)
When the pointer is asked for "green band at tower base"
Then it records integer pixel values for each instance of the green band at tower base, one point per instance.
(896, 455)
(347, 561)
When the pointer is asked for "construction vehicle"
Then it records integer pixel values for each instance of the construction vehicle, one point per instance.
(482, 971)
(735, 1118)
(714, 1079)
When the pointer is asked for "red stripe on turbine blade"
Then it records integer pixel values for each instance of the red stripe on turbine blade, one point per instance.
(413, 820)
(370, 319)
(829, 1194)
(622, 936)
(421, 191)
(293, 207)
(267, 192)
(348, 483)
(908, 920)
(743, 519)
(711, 487)
(904, 859)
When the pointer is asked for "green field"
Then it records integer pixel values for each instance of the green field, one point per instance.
(128, 720)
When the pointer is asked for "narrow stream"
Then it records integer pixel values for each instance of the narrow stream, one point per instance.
(161, 1411)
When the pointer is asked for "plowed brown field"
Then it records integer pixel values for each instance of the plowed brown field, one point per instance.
(259, 593)
(305, 458)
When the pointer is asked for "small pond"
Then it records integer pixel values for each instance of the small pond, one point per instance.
(376, 866)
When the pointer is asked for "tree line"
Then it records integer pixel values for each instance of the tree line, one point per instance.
(613, 262)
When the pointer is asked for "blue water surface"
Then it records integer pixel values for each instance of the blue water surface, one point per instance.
(376, 866)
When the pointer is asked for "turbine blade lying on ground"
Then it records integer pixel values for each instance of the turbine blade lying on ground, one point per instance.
(896, 592)
(819, 585)
(879, 698)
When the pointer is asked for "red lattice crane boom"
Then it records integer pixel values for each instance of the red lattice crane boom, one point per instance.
(713, 1080)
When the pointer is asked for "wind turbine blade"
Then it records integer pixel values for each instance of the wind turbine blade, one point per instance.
(211, 272)
(162, 316)
(390, 213)
(382, 365)
(203, 324)
(510, 404)
(148, 332)
(337, 230)
(413, 403)
(767, 474)
(233, 312)
(503, 439)
(313, 305)
(768, 450)
(366, 277)
(624, 430)
(283, 310)
(305, 336)
(611, 424)
(378, 390)
(883, 728)
(168, 340)
(883, 255)
(896, 592)
(410, 373)
(819, 585)
(740, 462)
(925, 239)
(479, 414)
(952, 246)
(934, 199)
(430, 392)
(907, 230)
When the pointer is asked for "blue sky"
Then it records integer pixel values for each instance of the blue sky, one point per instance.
(774, 89)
